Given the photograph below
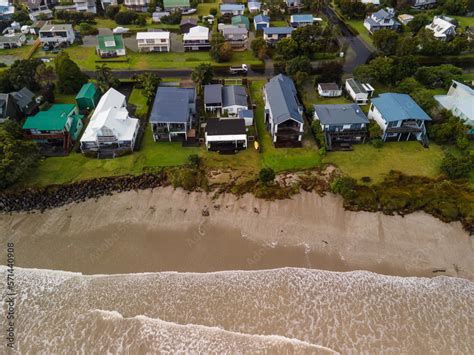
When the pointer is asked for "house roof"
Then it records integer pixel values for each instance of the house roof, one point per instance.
(213, 94)
(329, 86)
(175, 3)
(396, 107)
(301, 18)
(358, 87)
(53, 27)
(281, 97)
(340, 114)
(110, 42)
(237, 20)
(110, 117)
(261, 18)
(23, 97)
(172, 105)
(11, 39)
(232, 7)
(381, 14)
(234, 30)
(278, 30)
(87, 91)
(461, 99)
(245, 114)
(254, 5)
(197, 32)
(440, 25)
(226, 126)
(234, 95)
(54, 119)
(153, 35)
(188, 21)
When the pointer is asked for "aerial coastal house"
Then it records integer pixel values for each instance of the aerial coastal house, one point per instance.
(283, 111)
(359, 92)
(225, 135)
(405, 18)
(241, 21)
(17, 104)
(172, 114)
(175, 5)
(382, 19)
(196, 39)
(273, 34)
(399, 117)
(110, 46)
(16, 40)
(7, 10)
(236, 36)
(293, 4)
(8, 108)
(52, 34)
(136, 5)
(111, 131)
(342, 125)
(54, 130)
(301, 20)
(229, 99)
(329, 90)
(442, 28)
(85, 6)
(260, 22)
(460, 101)
(254, 6)
(232, 9)
(213, 97)
(156, 41)
(88, 97)
(422, 4)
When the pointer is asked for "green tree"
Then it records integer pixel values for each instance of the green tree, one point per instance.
(202, 75)
(70, 77)
(45, 75)
(457, 167)
(22, 73)
(257, 45)
(266, 175)
(419, 21)
(386, 41)
(438, 77)
(286, 48)
(220, 51)
(149, 82)
(298, 65)
(105, 79)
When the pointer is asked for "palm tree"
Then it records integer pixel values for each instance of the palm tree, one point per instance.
(202, 75)
(105, 78)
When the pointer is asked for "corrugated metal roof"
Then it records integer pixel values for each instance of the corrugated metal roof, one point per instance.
(234, 95)
(340, 114)
(281, 95)
(171, 105)
(396, 107)
(213, 94)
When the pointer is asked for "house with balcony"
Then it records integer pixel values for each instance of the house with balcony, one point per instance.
(422, 4)
(399, 117)
(85, 6)
(241, 21)
(175, 5)
(54, 130)
(283, 112)
(158, 41)
(110, 46)
(232, 9)
(237, 37)
(172, 114)
(442, 28)
(111, 131)
(271, 35)
(460, 101)
(15, 40)
(54, 35)
(196, 39)
(6, 10)
(359, 92)
(301, 20)
(384, 19)
(225, 135)
(8, 108)
(136, 5)
(342, 125)
(228, 99)
(260, 22)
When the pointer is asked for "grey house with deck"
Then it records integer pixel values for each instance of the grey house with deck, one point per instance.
(173, 113)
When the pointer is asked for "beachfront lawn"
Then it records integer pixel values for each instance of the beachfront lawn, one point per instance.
(139, 100)
(281, 159)
(408, 157)
(464, 21)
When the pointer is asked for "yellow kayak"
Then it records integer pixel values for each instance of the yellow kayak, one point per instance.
(255, 144)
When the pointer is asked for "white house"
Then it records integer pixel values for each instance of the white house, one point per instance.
(460, 101)
(105, 3)
(292, 4)
(399, 117)
(273, 34)
(329, 90)
(442, 28)
(111, 131)
(226, 135)
(254, 6)
(232, 9)
(136, 5)
(422, 4)
(12, 41)
(382, 19)
(56, 34)
(358, 91)
(85, 6)
(153, 41)
(283, 111)
(375, 2)
(229, 99)
(196, 39)
(260, 22)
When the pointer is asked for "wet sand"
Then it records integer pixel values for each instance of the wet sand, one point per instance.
(165, 230)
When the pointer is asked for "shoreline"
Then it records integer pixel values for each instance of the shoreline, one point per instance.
(164, 229)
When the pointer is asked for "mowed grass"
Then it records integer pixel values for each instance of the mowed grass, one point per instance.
(363, 32)
(408, 157)
(464, 21)
(139, 100)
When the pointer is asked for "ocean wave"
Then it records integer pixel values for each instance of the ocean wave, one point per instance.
(348, 312)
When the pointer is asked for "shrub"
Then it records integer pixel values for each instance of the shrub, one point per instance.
(345, 186)
(213, 11)
(266, 175)
(457, 168)
(377, 143)
(125, 17)
(194, 160)
(173, 18)
(317, 133)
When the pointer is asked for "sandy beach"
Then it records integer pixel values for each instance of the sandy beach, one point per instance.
(166, 230)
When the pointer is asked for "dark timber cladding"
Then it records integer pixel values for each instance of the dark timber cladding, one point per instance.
(216, 127)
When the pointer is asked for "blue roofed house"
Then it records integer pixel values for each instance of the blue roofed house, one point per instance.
(382, 19)
(399, 117)
(273, 34)
(293, 4)
(301, 20)
(232, 9)
(172, 113)
(260, 22)
(342, 125)
(460, 101)
(254, 6)
(283, 111)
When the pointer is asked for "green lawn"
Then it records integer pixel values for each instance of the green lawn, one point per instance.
(279, 24)
(363, 32)
(311, 97)
(464, 21)
(139, 100)
(64, 99)
(408, 157)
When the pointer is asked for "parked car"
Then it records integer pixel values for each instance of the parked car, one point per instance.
(189, 12)
(119, 30)
(241, 69)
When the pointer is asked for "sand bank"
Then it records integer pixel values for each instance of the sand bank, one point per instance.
(166, 229)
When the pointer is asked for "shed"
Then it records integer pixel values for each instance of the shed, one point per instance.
(260, 22)
(187, 23)
(241, 21)
(88, 97)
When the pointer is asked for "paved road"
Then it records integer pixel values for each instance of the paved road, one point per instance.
(361, 53)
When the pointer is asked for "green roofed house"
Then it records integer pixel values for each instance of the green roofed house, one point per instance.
(110, 46)
(88, 97)
(241, 21)
(55, 130)
(174, 5)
